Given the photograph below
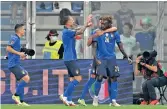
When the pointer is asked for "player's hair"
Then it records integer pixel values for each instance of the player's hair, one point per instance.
(17, 26)
(108, 18)
(129, 25)
(65, 19)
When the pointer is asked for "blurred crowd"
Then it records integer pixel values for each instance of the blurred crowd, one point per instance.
(124, 20)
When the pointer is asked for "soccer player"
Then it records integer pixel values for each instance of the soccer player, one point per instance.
(70, 57)
(94, 65)
(106, 55)
(14, 55)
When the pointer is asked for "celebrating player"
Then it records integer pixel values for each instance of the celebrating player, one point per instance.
(14, 56)
(94, 65)
(106, 55)
(70, 57)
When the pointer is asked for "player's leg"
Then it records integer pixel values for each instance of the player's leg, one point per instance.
(112, 82)
(77, 78)
(23, 78)
(75, 72)
(88, 84)
(22, 84)
(113, 91)
(101, 72)
(65, 97)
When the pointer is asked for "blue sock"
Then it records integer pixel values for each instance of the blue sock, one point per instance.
(17, 90)
(114, 90)
(21, 94)
(86, 87)
(69, 98)
(20, 89)
(71, 87)
(66, 92)
(97, 87)
(109, 90)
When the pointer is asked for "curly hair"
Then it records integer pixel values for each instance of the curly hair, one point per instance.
(108, 18)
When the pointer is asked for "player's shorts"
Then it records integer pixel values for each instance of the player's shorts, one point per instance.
(18, 71)
(72, 67)
(107, 68)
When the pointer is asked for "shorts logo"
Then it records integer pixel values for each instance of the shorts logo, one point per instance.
(77, 72)
(23, 72)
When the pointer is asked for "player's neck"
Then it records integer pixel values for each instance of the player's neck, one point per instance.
(68, 26)
(18, 35)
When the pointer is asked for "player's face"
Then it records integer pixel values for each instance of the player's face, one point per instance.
(126, 29)
(99, 23)
(105, 25)
(71, 21)
(102, 26)
(22, 30)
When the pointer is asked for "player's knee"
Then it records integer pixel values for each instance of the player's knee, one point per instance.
(78, 78)
(93, 76)
(71, 78)
(26, 78)
(99, 78)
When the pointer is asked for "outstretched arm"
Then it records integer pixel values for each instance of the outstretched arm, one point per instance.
(99, 33)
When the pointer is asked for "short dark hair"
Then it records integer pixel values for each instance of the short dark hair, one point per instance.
(129, 25)
(52, 32)
(17, 26)
(65, 19)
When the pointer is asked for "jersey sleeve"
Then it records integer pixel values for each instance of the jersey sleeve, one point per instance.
(117, 37)
(12, 41)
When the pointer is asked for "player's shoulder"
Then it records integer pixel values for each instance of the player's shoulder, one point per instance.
(116, 33)
(67, 29)
(14, 37)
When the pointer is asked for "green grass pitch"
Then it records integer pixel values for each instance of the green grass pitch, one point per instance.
(61, 106)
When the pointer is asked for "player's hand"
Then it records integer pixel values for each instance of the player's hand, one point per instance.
(90, 39)
(89, 18)
(89, 21)
(89, 24)
(23, 58)
(22, 54)
(98, 62)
